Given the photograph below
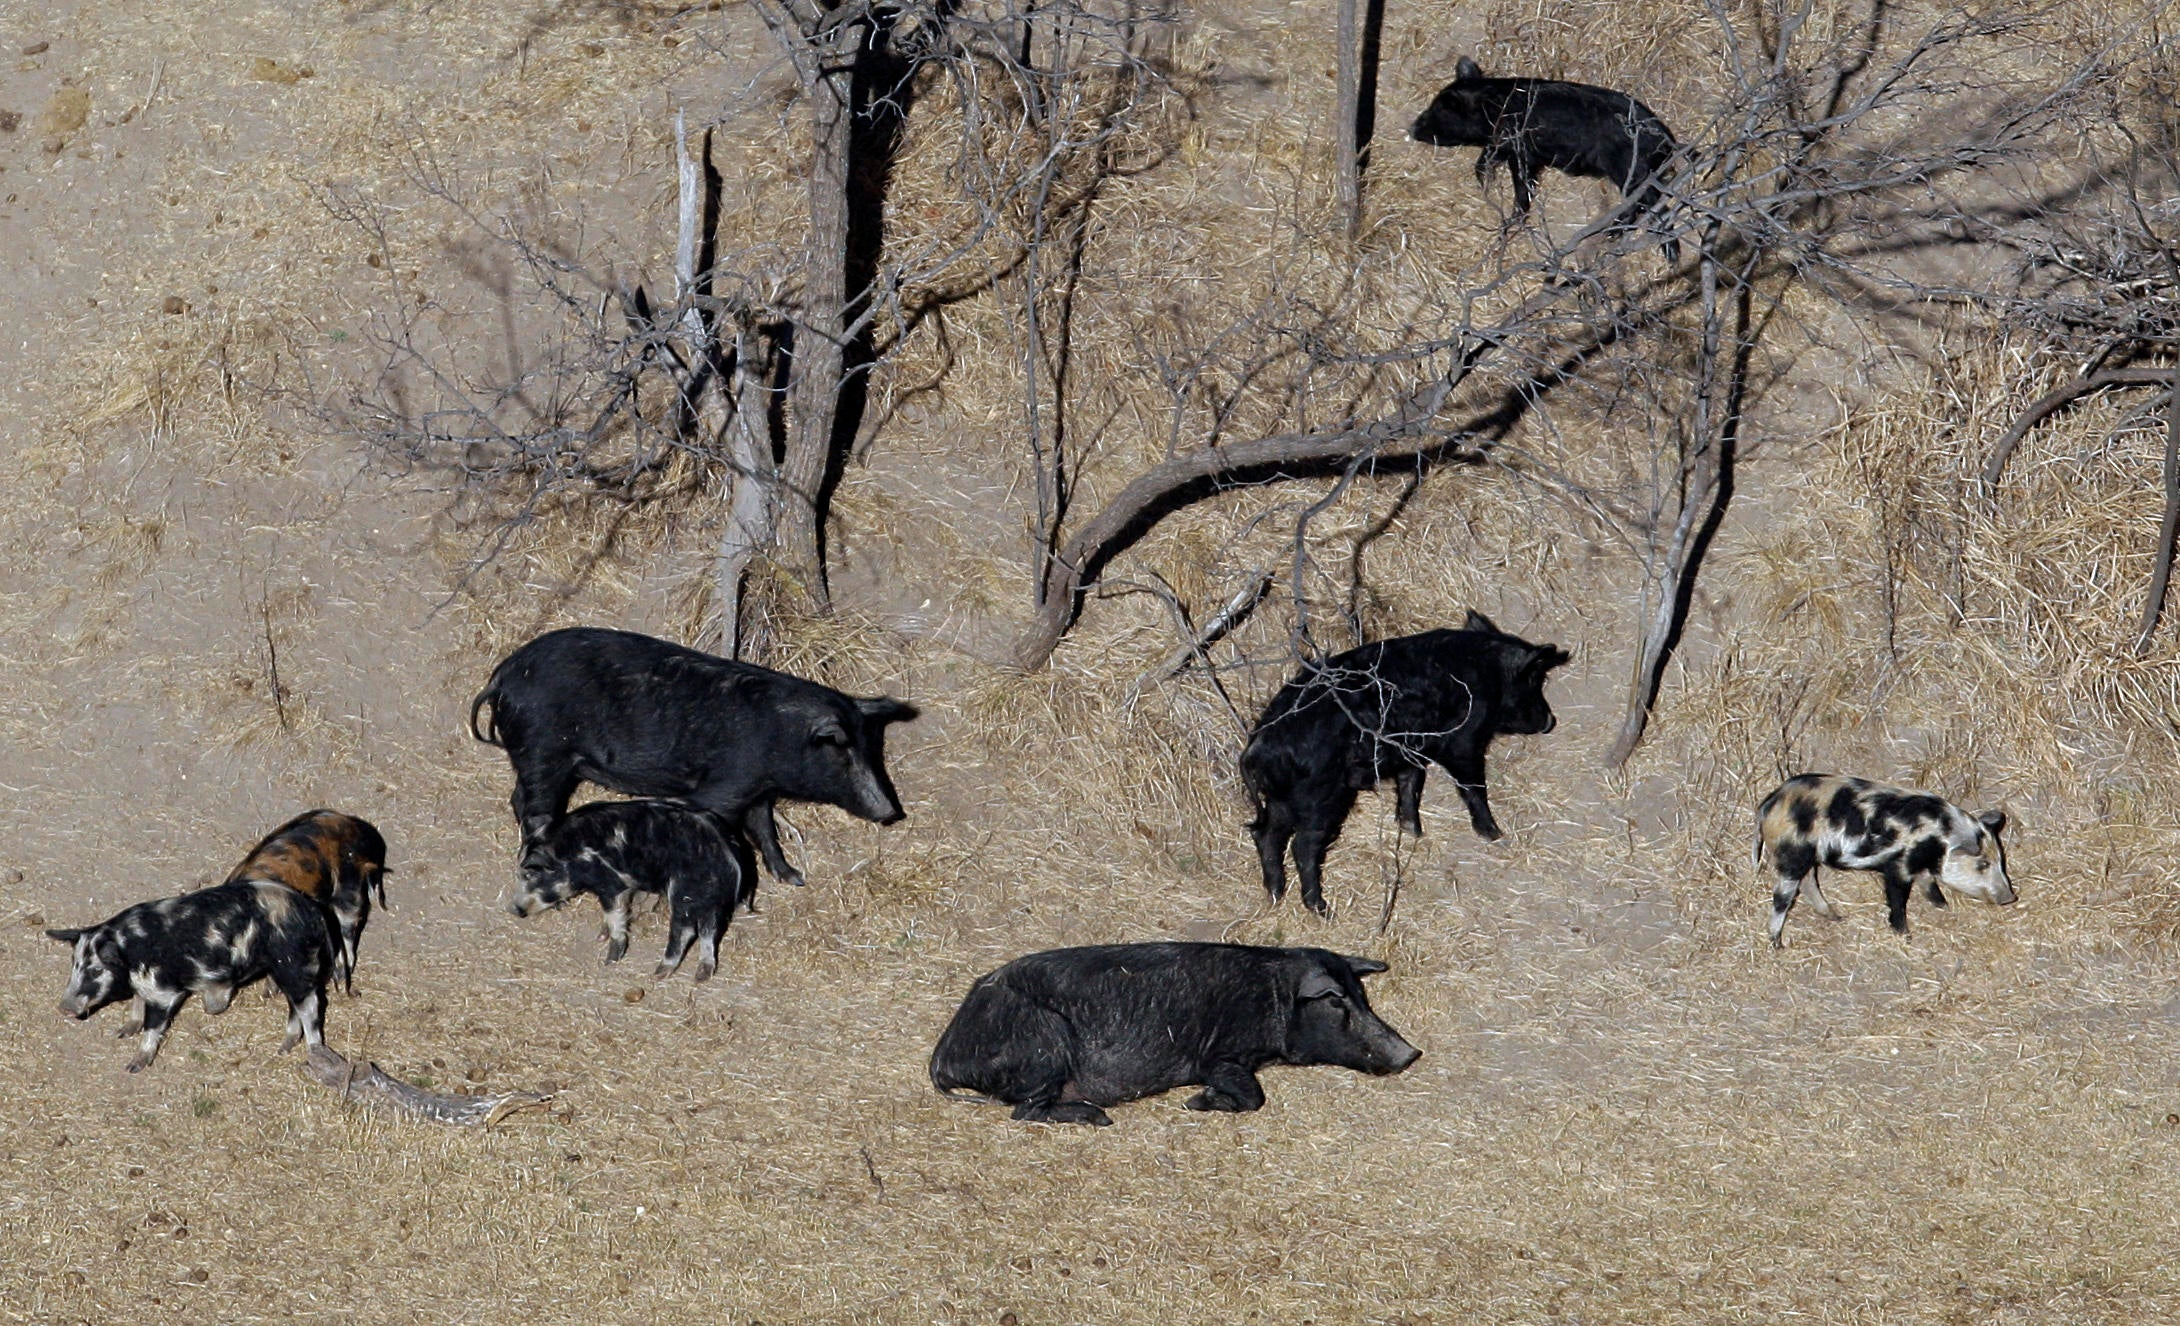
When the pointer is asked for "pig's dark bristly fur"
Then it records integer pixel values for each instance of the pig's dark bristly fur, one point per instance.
(611, 849)
(648, 718)
(1530, 123)
(1059, 1035)
(336, 859)
(1907, 837)
(1389, 709)
(211, 942)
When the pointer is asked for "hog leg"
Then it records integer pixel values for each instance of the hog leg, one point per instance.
(1783, 894)
(135, 1023)
(1408, 783)
(1468, 777)
(1899, 885)
(694, 922)
(615, 932)
(1320, 828)
(1523, 172)
(1932, 891)
(159, 1006)
(544, 780)
(1817, 899)
(763, 830)
(1796, 864)
(304, 985)
(1273, 828)
(1230, 1088)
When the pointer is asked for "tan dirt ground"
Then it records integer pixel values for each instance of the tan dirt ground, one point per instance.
(1628, 1110)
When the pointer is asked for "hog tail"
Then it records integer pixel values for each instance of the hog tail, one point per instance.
(1763, 812)
(489, 695)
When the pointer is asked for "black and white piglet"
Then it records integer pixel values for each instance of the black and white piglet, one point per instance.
(1907, 837)
(212, 942)
(612, 849)
(1060, 1035)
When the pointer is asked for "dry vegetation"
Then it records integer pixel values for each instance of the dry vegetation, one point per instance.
(217, 611)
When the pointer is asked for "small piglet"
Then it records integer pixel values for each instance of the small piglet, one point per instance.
(611, 849)
(1907, 837)
(212, 943)
(1061, 1034)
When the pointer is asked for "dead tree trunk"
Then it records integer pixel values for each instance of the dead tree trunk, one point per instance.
(1704, 490)
(1357, 33)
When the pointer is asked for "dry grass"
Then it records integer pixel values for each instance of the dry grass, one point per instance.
(1629, 1110)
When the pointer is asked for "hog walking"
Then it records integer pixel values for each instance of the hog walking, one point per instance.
(211, 942)
(1389, 709)
(1062, 1034)
(1907, 837)
(1530, 123)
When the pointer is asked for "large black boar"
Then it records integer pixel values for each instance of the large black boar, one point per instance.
(1060, 1035)
(1392, 708)
(610, 849)
(211, 942)
(337, 860)
(1907, 837)
(1531, 123)
(652, 719)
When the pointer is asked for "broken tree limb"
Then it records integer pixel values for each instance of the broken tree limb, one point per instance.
(373, 1086)
(2051, 402)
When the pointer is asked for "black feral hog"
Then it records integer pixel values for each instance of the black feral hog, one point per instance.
(610, 849)
(1531, 123)
(337, 860)
(1907, 837)
(211, 942)
(651, 719)
(1392, 708)
(1060, 1035)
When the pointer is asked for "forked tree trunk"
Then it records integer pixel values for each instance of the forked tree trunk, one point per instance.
(819, 362)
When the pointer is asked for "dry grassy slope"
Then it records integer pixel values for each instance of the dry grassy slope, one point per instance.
(1628, 1109)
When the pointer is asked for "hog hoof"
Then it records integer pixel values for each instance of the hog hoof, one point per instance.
(139, 1063)
(1207, 1099)
(704, 971)
(618, 949)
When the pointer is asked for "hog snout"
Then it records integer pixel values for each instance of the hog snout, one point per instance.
(1399, 1060)
(75, 1010)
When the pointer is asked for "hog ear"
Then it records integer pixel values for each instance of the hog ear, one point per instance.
(1467, 71)
(1476, 621)
(64, 936)
(1994, 820)
(1551, 656)
(1316, 984)
(885, 709)
(1364, 966)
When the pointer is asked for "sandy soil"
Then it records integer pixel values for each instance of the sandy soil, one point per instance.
(217, 612)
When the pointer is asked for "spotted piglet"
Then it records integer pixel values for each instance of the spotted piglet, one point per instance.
(1907, 837)
(612, 849)
(212, 943)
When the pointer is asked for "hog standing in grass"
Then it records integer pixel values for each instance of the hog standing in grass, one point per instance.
(336, 859)
(1060, 1035)
(1530, 123)
(1393, 708)
(212, 943)
(610, 849)
(652, 719)
(1817, 820)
